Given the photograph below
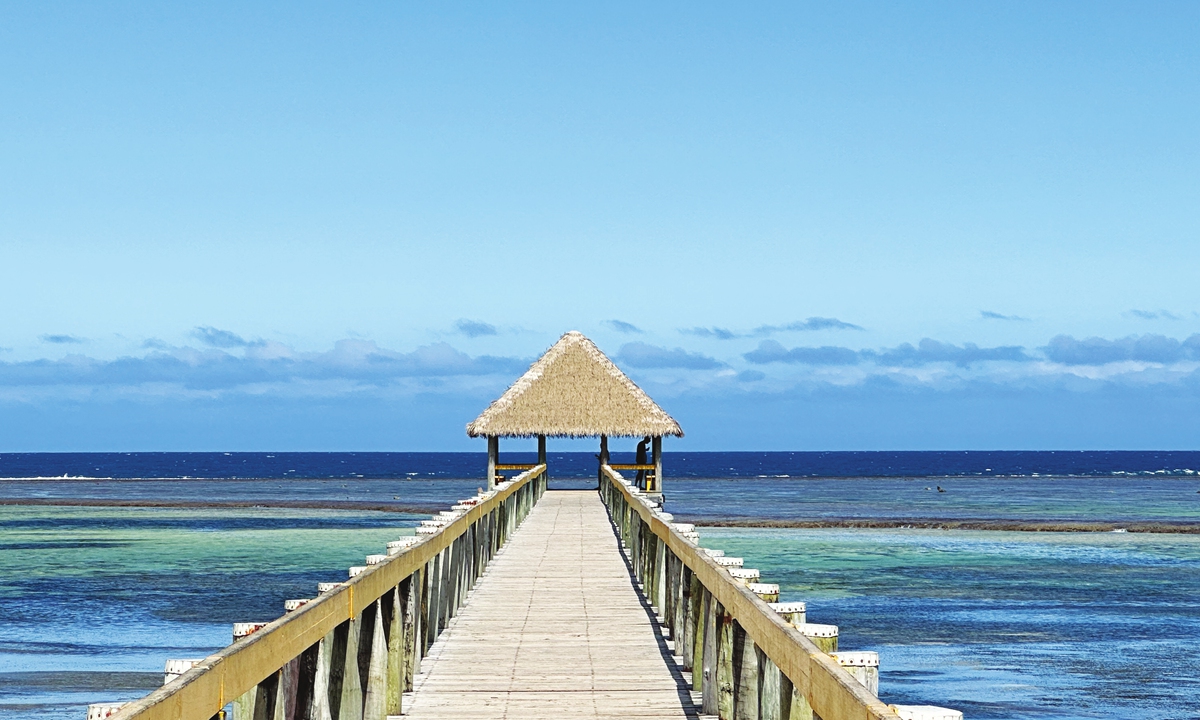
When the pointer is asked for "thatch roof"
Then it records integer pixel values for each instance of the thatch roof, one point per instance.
(574, 390)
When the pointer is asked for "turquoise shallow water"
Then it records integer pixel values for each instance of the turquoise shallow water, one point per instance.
(94, 601)
(1002, 624)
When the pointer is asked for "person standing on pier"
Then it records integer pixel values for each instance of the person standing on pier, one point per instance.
(641, 460)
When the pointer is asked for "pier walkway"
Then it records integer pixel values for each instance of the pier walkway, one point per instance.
(555, 628)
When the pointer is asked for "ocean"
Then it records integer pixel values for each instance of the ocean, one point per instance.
(1016, 585)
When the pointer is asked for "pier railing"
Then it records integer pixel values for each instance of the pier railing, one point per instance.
(352, 651)
(747, 661)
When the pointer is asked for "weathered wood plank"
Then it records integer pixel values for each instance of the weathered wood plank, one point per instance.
(554, 628)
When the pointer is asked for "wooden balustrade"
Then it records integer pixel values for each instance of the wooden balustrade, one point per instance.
(352, 651)
(746, 661)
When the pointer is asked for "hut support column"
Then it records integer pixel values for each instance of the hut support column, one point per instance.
(493, 459)
(542, 457)
(603, 456)
(656, 448)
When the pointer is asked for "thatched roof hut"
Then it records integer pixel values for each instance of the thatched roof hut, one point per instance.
(574, 390)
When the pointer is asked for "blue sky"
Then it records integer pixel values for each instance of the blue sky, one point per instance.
(862, 226)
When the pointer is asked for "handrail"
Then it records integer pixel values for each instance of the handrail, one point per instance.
(202, 692)
(830, 691)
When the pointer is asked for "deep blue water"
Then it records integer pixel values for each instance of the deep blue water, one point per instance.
(1058, 490)
(582, 464)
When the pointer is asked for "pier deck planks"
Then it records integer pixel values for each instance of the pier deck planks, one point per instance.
(555, 628)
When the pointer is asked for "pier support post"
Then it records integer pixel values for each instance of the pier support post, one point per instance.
(660, 578)
(712, 625)
(650, 573)
(679, 598)
(431, 601)
(243, 707)
(306, 666)
(770, 706)
(800, 708)
(259, 701)
(683, 597)
(287, 690)
(453, 567)
(863, 665)
(745, 675)
(725, 657)
(700, 628)
(437, 597)
(445, 598)
(691, 600)
(317, 660)
(345, 680)
(793, 613)
(825, 637)
(375, 697)
(412, 628)
(466, 566)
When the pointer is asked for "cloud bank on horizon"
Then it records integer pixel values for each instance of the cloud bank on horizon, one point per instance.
(225, 361)
(226, 369)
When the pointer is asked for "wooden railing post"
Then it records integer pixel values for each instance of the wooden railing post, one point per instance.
(682, 593)
(746, 675)
(323, 669)
(348, 683)
(445, 598)
(692, 613)
(725, 657)
(660, 577)
(396, 646)
(290, 679)
(652, 569)
(712, 624)
(771, 696)
(671, 588)
(375, 692)
(413, 647)
(429, 605)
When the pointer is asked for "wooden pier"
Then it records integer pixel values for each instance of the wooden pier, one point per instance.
(556, 628)
(521, 603)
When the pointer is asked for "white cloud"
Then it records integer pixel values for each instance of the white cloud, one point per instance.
(254, 367)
